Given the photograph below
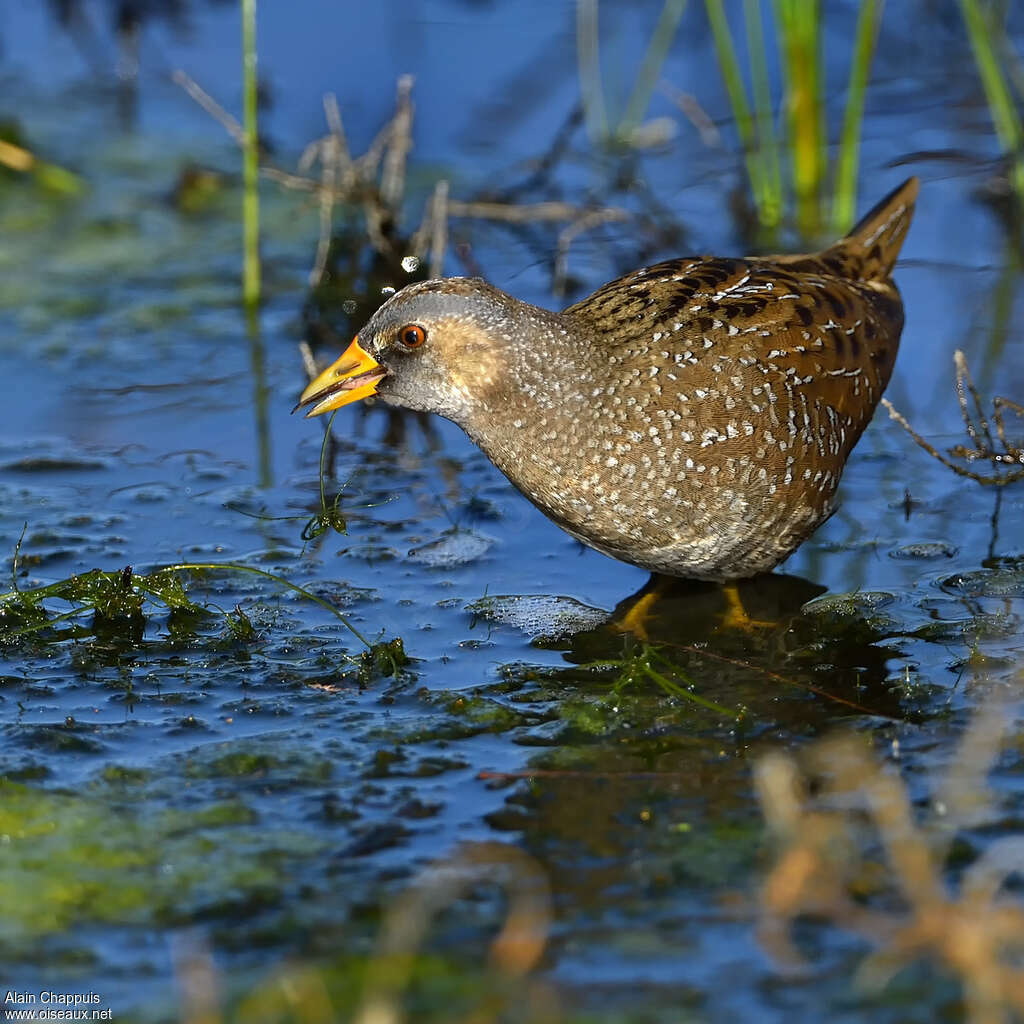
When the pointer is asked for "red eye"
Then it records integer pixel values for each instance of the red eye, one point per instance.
(412, 335)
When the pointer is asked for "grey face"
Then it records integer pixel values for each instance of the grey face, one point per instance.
(445, 345)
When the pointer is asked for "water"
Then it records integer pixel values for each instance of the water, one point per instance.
(263, 798)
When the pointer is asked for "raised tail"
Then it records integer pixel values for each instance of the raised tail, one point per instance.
(871, 248)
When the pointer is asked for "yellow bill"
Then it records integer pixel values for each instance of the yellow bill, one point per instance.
(354, 376)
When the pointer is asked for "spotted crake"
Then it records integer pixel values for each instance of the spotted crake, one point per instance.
(692, 418)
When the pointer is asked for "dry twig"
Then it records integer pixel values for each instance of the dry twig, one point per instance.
(821, 865)
(695, 114)
(335, 162)
(210, 105)
(376, 182)
(515, 950)
(998, 451)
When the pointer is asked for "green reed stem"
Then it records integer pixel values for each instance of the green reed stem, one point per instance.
(250, 161)
(730, 68)
(767, 141)
(1004, 114)
(844, 196)
(1013, 65)
(588, 56)
(799, 27)
(652, 63)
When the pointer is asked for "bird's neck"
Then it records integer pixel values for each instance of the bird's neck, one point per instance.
(533, 423)
(543, 375)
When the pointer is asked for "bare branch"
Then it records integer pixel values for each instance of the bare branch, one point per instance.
(209, 104)
(985, 447)
(695, 114)
(392, 180)
(439, 235)
(587, 221)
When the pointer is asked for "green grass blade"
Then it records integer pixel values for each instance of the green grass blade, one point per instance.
(588, 56)
(279, 580)
(844, 201)
(767, 141)
(1013, 64)
(799, 27)
(651, 65)
(730, 68)
(1000, 102)
(250, 161)
(674, 689)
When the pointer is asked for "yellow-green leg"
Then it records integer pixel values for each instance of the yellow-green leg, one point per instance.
(639, 615)
(735, 615)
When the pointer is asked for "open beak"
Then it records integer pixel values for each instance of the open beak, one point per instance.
(354, 376)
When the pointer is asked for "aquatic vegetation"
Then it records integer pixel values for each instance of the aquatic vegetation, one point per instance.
(117, 598)
(123, 598)
(16, 157)
(645, 663)
(800, 31)
(250, 160)
(628, 129)
(72, 858)
(383, 659)
(993, 56)
(1001, 452)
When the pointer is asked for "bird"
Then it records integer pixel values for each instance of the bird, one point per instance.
(692, 417)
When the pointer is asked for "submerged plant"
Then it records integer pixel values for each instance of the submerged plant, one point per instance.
(126, 596)
(645, 663)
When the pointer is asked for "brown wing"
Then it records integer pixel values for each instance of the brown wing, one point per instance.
(765, 369)
(788, 314)
(828, 324)
(729, 395)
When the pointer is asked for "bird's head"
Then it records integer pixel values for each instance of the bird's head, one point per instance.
(453, 346)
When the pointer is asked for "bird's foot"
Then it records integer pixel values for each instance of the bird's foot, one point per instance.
(735, 617)
(639, 616)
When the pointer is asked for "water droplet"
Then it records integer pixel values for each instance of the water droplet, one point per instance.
(410, 264)
(350, 306)
(387, 290)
